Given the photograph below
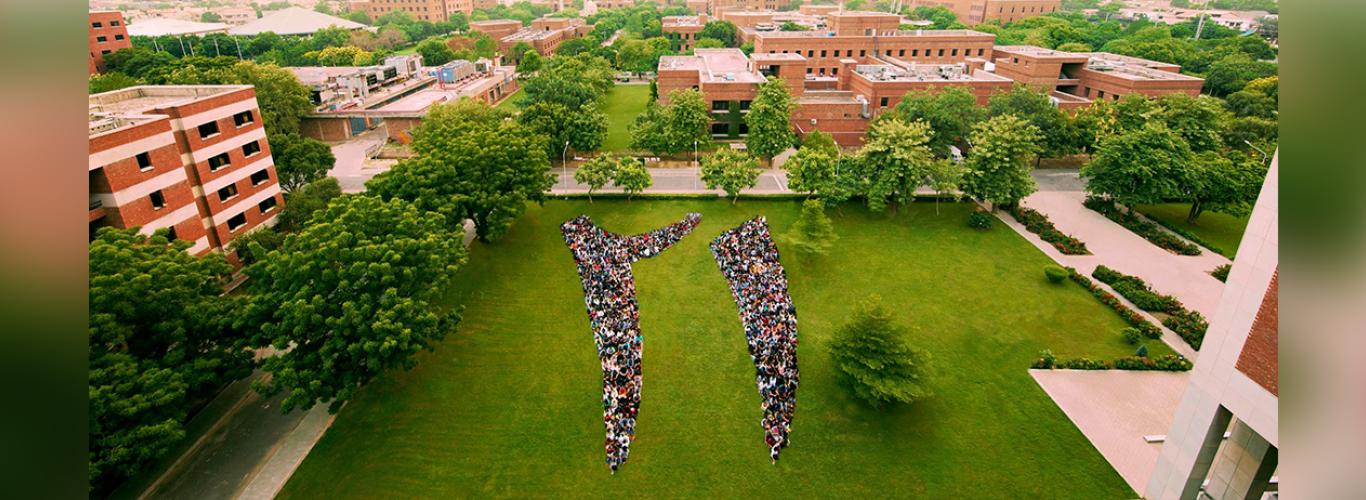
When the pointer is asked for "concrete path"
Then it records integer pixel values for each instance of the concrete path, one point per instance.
(1115, 409)
(352, 158)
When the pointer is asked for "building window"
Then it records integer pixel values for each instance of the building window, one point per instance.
(810, 53)
(720, 129)
(144, 161)
(979, 52)
(97, 24)
(941, 52)
(218, 162)
(208, 129)
(170, 233)
(251, 148)
(260, 177)
(266, 205)
(884, 102)
(822, 53)
(955, 53)
(915, 52)
(237, 221)
(720, 105)
(105, 52)
(101, 39)
(227, 192)
(744, 105)
(834, 71)
(808, 71)
(901, 53)
(158, 200)
(243, 118)
(862, 52)
(120, 37)
(113, 23)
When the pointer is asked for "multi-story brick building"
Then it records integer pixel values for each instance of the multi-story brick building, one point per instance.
(422, 10)
(544, 35)
(683, 30)
(1224, 439)
(190, 159)
(863, 63)
(108, 33)
(496, 28)
(978, 11)
(714, 7)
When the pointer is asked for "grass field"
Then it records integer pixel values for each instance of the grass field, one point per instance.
(1221, 230)
(509, 103)
(621, 106)
(509, 406)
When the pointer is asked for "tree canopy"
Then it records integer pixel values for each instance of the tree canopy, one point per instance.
(673, 128)
(770, 120)
(730, 170)
(893, 163)
(1139, 167)
(300, 160)
(875, 360)
(950, 113)
(998, 169)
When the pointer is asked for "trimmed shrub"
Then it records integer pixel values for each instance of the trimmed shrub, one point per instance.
(1190, 325)
(979, 220)
(1221, 273)
(1055, 274)
(1137, 291)
(1085, 364)
(1128, 315)
(1166, 363)
(1132, 336)
(1141, 227)
(1039, 224)
(1046, 360)
(1191, 236)
(1142, 351)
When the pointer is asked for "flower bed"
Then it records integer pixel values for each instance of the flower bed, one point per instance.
(1167, 363)
(1137, 291)
(1147, 328)
(1147, 230)
(1221, 273)
(1039, 224)
(1190, 325)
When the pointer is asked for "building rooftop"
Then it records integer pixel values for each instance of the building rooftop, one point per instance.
(166, 26)
(900, 71)
(495, 22)
(294, 21)
(715, 65)
(314, 75)
(1133, 68)
(121, 108)
(1039, 52)
(668, 21)
(900, 33)
(436, 94)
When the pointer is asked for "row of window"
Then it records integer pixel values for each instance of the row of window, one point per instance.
(725, 105)
(810, 54)
(1024, 10)
(210, 129)
(222, 160)
(103, 38)
(228, 192)
(98, 24)
(237, 221)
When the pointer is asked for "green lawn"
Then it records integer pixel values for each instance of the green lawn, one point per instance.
(510, 405)
(621, 106)
(510, 102)
(1221, 230)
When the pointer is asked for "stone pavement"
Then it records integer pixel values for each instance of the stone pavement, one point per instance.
(1115, 409)
(352, 158)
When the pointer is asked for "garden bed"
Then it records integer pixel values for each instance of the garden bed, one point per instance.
(1141, 227)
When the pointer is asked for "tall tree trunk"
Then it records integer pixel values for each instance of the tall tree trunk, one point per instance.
(1197, 208)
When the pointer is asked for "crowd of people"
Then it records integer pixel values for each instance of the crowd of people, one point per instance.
(749, 260)
(609, 292)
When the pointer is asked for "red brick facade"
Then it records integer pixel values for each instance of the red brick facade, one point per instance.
(1260, 357)
(108, 34)
(422, 10)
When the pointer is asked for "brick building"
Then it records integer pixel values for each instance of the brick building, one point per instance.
(863, 63)
(715, 7)
(108, 33)
(978, 11)
(496, 28)
(1224, 438)
(422, 10)
(683, 30)
(193, 159)
(544, 34)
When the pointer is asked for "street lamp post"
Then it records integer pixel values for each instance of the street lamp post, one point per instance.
(564, 165)
(1259, 150)
(698, 163)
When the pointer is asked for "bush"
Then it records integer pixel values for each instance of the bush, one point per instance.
(1137, 291)
(874, 359)
(1128, 315)
(1190, 325)
(1039, 224)
(1055, 274)
(1221, 273)
(1142, 351)
(1141, 227)
(1085, 364)
(1132, 335)
(1045, 360)
(1166, 363)
(979, 220)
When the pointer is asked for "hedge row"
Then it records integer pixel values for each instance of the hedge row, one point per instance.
(1188, 324)
(1138, 291)
(1166, 362)
(1141, 227)
(1191, 236)
(1147, 328)
(1039, 224)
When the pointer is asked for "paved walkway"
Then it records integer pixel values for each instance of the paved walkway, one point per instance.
(1115, 409)
(352, 157)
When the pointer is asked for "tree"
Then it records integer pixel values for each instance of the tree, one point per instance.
(1037, 109)
(210, 17)
(673, 128)
(946, 178)
(731, 170)
(950, 113)
(1259, 98)
(791, 26)
(1221, 182)
(1002, 157)
(572, 82)
(893, 163)
(583, 129)
(302, 203)
(351, 297)
(1232, 73)
(1200, 121)
(942, 17)
(770, 120)
(435, 52)
(813, 234)
(359, 16)
(632, 177)
(323, 7)
(160, 336)
(874, 359)
(520, 50)
(811, 170)
(1139, 167)
(300, 160)
(1074, 47)
(596, 173)
(574, 46)
(723, 31)
(109, 81)
(470, 163)
(345, 56)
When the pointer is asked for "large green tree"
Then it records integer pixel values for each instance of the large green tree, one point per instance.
(435, 52)
(893, 163)
(632, 177)
(1143, 166)
(811, 170)
(572, 82)
(582, 129)
(770, 120)
(596, 173)
(300, 160)
(161, 339)
(673, 128)
(998, 169)
(877, 362)
(950, 112)
(813, 234)
(730, 170)
(350, 297)
(1200, 121)
(1223, 182)
(470, 163)
(302, 203)
(1037, 109)
(724, 31)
